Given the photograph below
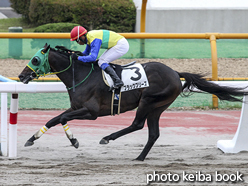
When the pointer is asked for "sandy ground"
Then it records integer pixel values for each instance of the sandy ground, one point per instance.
(227, 67)
(186, 153)
(182, 153)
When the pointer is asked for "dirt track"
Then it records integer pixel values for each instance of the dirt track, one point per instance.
(227, 67)
(180, 150)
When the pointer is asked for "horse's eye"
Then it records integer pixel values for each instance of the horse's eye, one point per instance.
(36, 61)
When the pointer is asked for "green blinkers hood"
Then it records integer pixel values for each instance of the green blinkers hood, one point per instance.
(41, 65)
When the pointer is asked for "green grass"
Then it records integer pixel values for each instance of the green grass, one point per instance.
(15, 22)
(61, 101)
(202, 101)
(42, 100)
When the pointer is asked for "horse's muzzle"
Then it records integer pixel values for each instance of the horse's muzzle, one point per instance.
(27, 78)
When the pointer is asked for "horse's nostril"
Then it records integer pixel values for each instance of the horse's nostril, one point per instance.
(33, 74)
(21, 77)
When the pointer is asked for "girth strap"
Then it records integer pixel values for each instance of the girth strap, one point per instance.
(116, 102)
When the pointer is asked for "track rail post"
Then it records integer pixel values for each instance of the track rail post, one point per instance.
(13, 126)
(214, 66)
(4, 126)
(239, 141)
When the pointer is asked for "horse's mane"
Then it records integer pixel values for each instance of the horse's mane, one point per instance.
(65, 51)
(68, 52)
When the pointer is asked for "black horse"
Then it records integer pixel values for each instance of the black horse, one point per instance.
(92, 98)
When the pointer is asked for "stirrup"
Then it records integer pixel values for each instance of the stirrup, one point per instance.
(113, 87)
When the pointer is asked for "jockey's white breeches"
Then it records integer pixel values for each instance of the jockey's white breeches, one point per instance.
(115, 52)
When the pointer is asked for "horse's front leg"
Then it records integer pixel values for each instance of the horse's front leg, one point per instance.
(68, 115)
(53, 122)
(82, 113)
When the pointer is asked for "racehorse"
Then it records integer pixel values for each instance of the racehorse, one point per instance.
(91, 97)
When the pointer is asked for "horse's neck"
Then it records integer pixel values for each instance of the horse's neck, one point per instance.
(59, 63)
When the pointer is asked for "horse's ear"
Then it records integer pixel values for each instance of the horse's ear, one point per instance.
(46, 47)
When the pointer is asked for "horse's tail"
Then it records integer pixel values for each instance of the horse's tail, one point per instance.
(222, 92)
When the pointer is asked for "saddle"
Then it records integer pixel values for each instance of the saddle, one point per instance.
(118, 68)
(116, 93)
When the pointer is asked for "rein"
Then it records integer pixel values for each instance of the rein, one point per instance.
(74, 86)
(73, 81)
(61, 70)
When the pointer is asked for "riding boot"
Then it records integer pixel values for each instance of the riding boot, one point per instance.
(117, 81)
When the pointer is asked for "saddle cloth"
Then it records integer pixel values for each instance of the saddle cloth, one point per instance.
(133, 77)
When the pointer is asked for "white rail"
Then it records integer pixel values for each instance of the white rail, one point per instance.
(32, 87)
(59, 87)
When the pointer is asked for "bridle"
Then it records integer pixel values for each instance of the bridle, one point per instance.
(44, 68)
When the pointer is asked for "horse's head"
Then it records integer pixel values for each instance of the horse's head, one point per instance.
(37, 66)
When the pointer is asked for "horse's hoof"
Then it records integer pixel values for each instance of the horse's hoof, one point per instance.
(139, 159)
(103, 141)
(28, 143)
(74, 142)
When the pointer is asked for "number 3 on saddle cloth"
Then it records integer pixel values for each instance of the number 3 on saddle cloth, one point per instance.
(133, 77)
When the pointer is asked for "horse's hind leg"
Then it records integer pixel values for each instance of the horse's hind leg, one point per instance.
(143, 111)
(153, 129)
(137, 124)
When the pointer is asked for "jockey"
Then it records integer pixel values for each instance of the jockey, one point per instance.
(115, 44)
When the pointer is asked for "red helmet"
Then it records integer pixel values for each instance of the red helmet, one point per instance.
(77, 31)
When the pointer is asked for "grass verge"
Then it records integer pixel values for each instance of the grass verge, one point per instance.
(15, 22)
(60, 101)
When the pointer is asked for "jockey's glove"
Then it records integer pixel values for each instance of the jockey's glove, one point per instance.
(74, 56)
